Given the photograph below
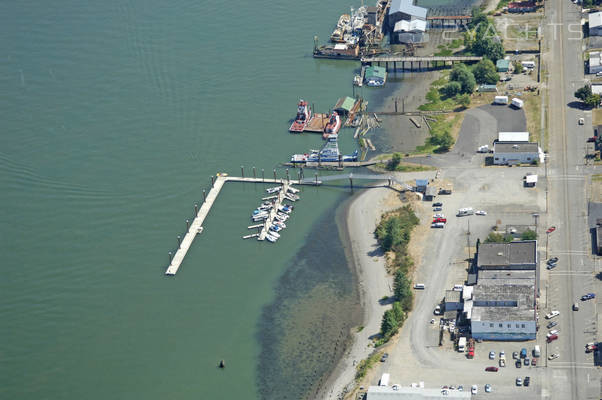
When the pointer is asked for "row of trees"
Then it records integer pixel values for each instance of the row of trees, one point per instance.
(585, 95)
(393, 234)
(462, 79)
(481, 39)
(495, 237)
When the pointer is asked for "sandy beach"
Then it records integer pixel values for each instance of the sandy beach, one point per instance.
(363, 214)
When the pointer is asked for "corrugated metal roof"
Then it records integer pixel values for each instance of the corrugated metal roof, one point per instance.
(513, 136)
(422, 182)
(407, 7)
(501, 63)
(410, 393)
(378, 72)
(516, 147)
(415, 25)
(345, 103)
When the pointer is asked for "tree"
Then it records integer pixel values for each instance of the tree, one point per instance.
(452, 88)
(389, 325)
(463, 100)
(592, 101)
(394, 162)
(444, 140)
(403, 290)
(485, 72)
(488, 47)
(518, 67)
(528, 235)
(495, 237)
(583, 93)
(460, 73)
(478, 18)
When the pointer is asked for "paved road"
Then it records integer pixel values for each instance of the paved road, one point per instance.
(572, 376)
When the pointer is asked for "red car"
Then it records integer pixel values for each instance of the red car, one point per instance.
(491, 369)
(551, 338)
(551, 229)
(534, 362)
(444, 220)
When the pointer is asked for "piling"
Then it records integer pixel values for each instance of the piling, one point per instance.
(242, 171)
(179, 241)
(204, 196)
(187, 224)
(262, 175)
(274, 174)
(254, 174)
(196, 208)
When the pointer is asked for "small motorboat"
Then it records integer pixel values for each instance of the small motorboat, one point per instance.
(281, 217)
(274, 189)
(286, 208)
(271, 238)
(275, 228)
(293, 190)
(274, 233)
(280, 224)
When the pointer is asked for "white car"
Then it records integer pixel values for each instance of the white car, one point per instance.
(519, 381)
(488, 388)
(438, 216)
(474, 389)
(553, 356)
(552, 314)
(492, 355)
(553, 332)
(581, 121)
(481, 212)
(599, 73)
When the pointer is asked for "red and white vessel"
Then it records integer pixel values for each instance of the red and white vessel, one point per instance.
(302, 119)
(333, 125)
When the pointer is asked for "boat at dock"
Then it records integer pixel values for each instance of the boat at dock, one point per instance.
(271, 238)
(285, 209)
(328, 153)
(302, 119)
(333, 125)
(293, 190)
(275, 189)
(281, 217)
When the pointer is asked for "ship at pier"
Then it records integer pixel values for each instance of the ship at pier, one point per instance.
(333, 125)
(328, 153)
(303, 117)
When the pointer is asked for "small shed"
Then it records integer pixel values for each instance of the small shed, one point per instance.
(421, 185)
(453, 300)
(595, 24)
(502, 65)
(430, 193)
(487, 88)
(344, 105)
(375, 76)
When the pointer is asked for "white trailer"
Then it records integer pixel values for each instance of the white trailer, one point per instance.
(465, 211)
(462, 344)
(500, 100)
(518, 103)
(384, 380)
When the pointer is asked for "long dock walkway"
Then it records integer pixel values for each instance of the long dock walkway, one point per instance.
(273, 211)
(196, 226)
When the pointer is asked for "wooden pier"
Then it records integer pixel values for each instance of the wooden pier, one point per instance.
(418, 63)
(196, 227)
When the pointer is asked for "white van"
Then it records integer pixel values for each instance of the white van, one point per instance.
(528, 64)
(536, 351)
(465, 211)
(517, 103)
(500, 100)
(384, 380)
(458, 288)
(419, 286)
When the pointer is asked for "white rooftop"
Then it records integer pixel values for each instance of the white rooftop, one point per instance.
(407, 7)
(531, 179)
(513, 136)
(597, 89)
(414, 393)
(595, 20)
(415, 25)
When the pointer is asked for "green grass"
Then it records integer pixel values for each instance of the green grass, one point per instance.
(365, 365)
(597, 177)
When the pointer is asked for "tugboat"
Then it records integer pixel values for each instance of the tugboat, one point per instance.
(302, 119)
(328, 153)
(333, 125)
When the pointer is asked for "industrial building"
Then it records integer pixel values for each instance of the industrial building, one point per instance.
(503, 306)
(516, 255)
(398, 392)
(405, 10)
(595, 24)
(453, 300)
(515, 153)
(410, 31)
(375, 76)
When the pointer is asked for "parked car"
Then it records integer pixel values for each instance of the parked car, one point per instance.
(460, 388)
(443, 220)
(588, 296)
(488, 388)
(552, 314)
(519, 381)
(552, 324)
(550, 339)
(589, 348)
(384, 357)
(438, 204)
(553, 261)
(438, 216)
(527, 362)
(527, 381)
(491, 369)
(551, 229)
(474, 389)
(518, 364)
(552, 332)
(553, 356)
(437, 209)
(481, 212)
(515, 355)
(492, 355)
(438, 225)
(502, 362)
(502, 354)
(581, 121)
(576, 307)
(523, 353)
(534, 362)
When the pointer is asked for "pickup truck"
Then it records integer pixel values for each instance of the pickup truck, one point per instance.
(552, 314)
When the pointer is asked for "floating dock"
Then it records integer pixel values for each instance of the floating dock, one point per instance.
(196, 226)
(317, 123)
(268, 222)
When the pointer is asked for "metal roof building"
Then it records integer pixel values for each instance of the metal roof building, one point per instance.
(513, 136)
(595, 24)
(345, 104)
(513, 153)
(520, 255)
(411, 393)
(502, 65)
(407, 7)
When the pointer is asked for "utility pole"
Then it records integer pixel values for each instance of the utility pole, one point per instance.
(468, 240)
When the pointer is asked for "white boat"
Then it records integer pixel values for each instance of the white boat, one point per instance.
(275, 189)
(259, 219)
(285, 209)
(274, 233)
(280, 224)
(260, 213)
(271, 238)
(281, 217)
(289, 198)
(265, 207)
(293, 190)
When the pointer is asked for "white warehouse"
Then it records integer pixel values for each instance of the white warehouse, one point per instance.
(510, 153)
(513, 137)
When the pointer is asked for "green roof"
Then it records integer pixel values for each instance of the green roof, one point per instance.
(374, 71)
(501, 63)
(345, 103)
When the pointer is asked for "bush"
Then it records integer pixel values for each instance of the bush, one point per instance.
(451, 89)
(518, 67)
(463, 100)
(495, 237)
(444, 141)
(529, 235)
(394, 162)
(402, 287)
(461, 74)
